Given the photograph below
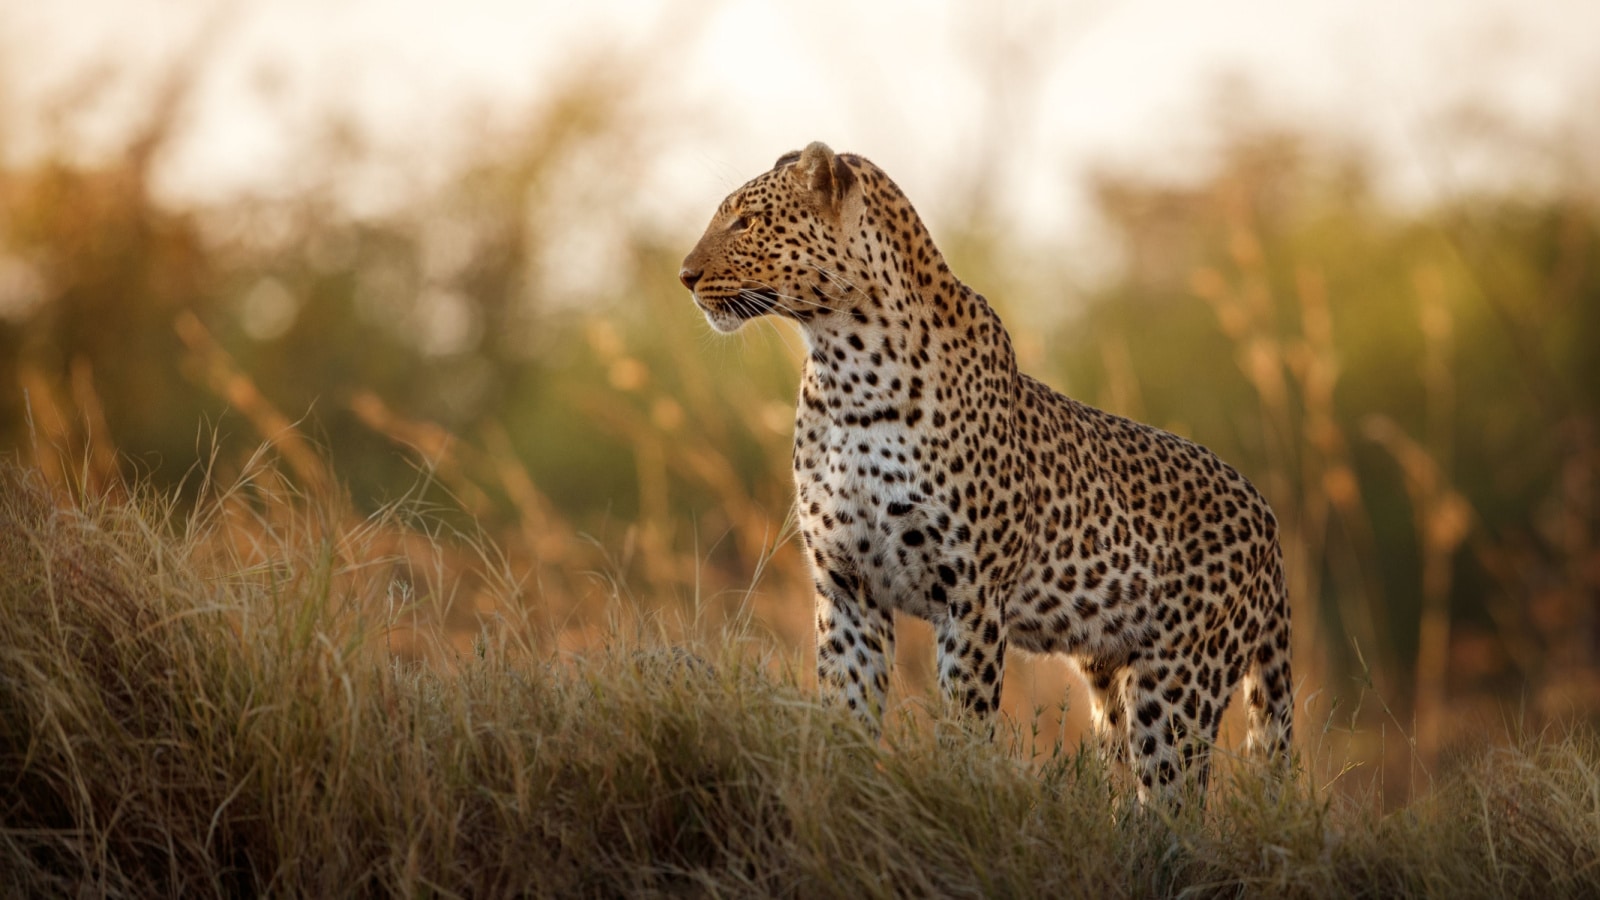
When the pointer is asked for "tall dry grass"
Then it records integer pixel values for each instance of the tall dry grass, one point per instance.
(211, 702)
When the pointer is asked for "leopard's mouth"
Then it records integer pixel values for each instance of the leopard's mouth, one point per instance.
(749, 303)
(728, 311)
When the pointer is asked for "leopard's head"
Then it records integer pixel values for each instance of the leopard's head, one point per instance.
(780, 244)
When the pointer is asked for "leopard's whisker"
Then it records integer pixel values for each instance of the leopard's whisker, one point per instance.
(790, 297)
(778, 302)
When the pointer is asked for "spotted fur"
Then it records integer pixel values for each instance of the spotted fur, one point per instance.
(932, 478)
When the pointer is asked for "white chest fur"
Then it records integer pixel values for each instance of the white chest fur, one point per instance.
(861, 504)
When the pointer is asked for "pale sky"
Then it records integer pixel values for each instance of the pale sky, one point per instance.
(926, 89)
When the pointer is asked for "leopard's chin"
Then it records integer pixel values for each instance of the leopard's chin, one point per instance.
(721, 318)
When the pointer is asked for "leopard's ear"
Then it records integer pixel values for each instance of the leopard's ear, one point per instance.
(787, 158)
(823, 172)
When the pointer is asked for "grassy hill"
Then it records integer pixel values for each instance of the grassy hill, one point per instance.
(240, 700)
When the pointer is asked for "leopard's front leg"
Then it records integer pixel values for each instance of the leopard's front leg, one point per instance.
(971, 632)
(855, 643)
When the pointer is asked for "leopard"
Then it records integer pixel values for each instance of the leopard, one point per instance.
(934, 479)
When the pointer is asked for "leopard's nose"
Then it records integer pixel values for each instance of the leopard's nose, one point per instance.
(689, 277)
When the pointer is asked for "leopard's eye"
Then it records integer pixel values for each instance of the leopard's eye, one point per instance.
(739, 224)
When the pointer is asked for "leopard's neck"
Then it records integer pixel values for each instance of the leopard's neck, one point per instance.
(896, 356)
